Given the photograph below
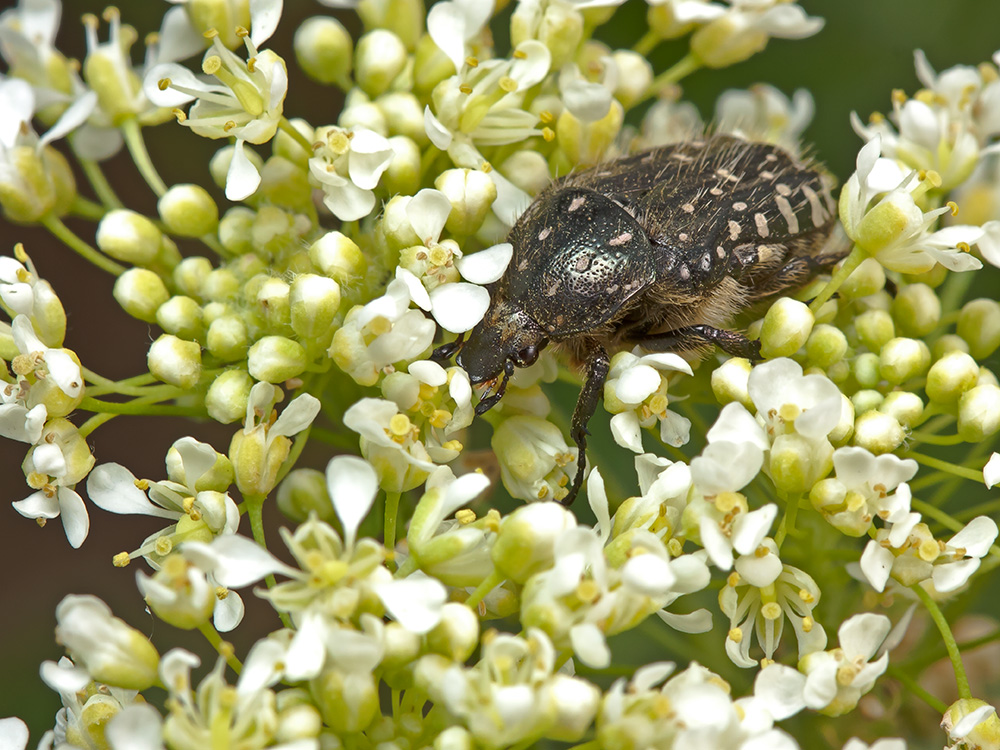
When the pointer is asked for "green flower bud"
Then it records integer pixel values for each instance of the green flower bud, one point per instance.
(303, 492)
(361, 113)
(395, 224)
(662, 20)
(840, 434)
(933, 277)
(175, 361)
(338, 257)
(825, 346)
(525, 543)
(106, 71)
(874, 328)
(726, 41)
(228, 338)
(456, 636)
(560, 28)
(950, 377)
(950, 342)
(405, 18)
(380, 57)
(471, 193)
(905, 407)
(226, 400)
(587, 142)
(75, 451)
(220, 285)
(402, 646)
(729, 381)
(866, 370)
(979, 413)
(979, 325)
(36, 184)
(430, 65)
(286, 184)
(348, 701)
(528, 170)
(402, 176)
(454, 738)
(190, 275)
(635, 75)
(235, 228)
(984, 736)
(301, 721)
(868, 278)
(178, 593)
(167, 258)
(89, 727)
(181, 316)
(901, 359)
(787, 325)
(878, 432)
(916, 310)
(797, 463)
(218, 167)
(188, 211)
(323, 49)
(884, 224)
(216, 479)
(273, 302)
(404, 115)
(275, 359)
(840, 371)
(140, 293)
(866, 400)
(129, 237)
(986, 377)
(314, 302)
(289, 148)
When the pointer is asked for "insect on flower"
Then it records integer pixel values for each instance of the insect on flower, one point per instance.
(658, 249)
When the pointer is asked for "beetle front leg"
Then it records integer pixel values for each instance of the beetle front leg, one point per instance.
(598, 364)
(693, 337)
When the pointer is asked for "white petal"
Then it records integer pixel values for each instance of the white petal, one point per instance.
(240, 561)
(749, 529)
(371, 154)
(264, 17)
(675, 430)
(112, 488)
(462, 491)
(725, 466)
(37, 505)
(861, 635)
(460, 306)
(716, 544)
(699, 621)
(64, 678)
(781, 689)
(414, 602)
(427, 212)
(876, 563)
(954, 575)
(418, 292)
(625, 429)
(976, 538)
(306, 653)
(438, 134)
(649, 676)
(511, 201)
(75, 520)
(637, 384)
(759, 571)
(17, 102)
(597, 498)
(136, 727)
(171, 97)
(667, 361)
(648, 574)
(587, 101)
(242, 179)
(428, 372)
(487, 265)
(13, 734)
(736, 425)
(178, 39)
(64, 371)
(446, 25)
(821, 685)
(196, 458)
(228, 612)
(71, 119)
(971, 720)
(353, 485)
(295, 417)
(991, 472)
(589, 645)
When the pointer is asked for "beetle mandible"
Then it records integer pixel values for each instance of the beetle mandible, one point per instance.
(659, 249)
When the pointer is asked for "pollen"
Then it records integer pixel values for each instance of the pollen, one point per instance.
(163, 84)
(548, 135)
(771, 611)
(953, 206)
(472, 62)
(508, 84)
(735, 635)
(465, 516)
(121, 560)
(400, 425)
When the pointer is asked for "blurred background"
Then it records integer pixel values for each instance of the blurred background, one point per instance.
(864, 52)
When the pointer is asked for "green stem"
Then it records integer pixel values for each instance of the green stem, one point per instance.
(140, 407)
(86, 209)
(936, 513)
(137, 148)
(949, 640)
(937, 463)
(93, 423)
(680, 69)
(97, 180)
(647, 43)
(255, 512)
(788, 522)
(391, 513)
(221, 647)
(489, 583)
(929, 656)
(64, 233)
(931, 439)
(851, 262)
(914, 687)
(285, 125)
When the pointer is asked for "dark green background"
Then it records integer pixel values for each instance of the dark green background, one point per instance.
(865, 51)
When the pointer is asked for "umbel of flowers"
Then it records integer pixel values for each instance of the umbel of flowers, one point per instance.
(814, 506)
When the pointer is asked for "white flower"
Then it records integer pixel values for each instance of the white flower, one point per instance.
(455, 23)
(762, 112)
(391, 441)
(55, 364)
(536, 463)
(13, 733)
(886, 743)
(746, 27)
(991, 472)
(17, 421)
(787, 400)
(348, 166)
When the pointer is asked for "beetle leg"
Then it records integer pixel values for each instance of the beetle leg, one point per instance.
(694, 337)
(446, 351)
(489, 402)
(598, 364)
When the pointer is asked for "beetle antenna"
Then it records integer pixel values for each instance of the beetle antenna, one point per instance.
(446, 351)
(488, 403)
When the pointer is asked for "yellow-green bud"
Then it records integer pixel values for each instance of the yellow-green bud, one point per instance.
(188, 211)
(177, 594)
(454, 738)
(950, 377)
(986, 377)
(338, 257)
(730, 379)
(314, 302)
(75, 451)
(875, 328)
(866, 369)
(303, 492)
(168, 257)
(457, 634)
(979, 413)
(395, 224)
(726, 41)
(886, 223)
(826, 345)
(285, 184)
(218, 167)
(868, 278)
(47, 314)
(228, 338)
(220, 285)
(950, 342)
(560, 29)
(404, 115)
(916, 310)
(216, 479)
(901, 359)
(273, 303)
(984, 736)
(323, 49)
(29, 192)
(181, 316)
(528, 170)
(586, 143)
(430, 65)
(236, 229)
(129, 237)
(471, 193)
(89, 726)
(662, 20)
(865, 400)
(878, 432)
(840, 434)
(175, 361)
(905, 407)
(402, 646)
(115, 83)
(226, 400)
(797, 463)
(275, 359)
(979, 325)
(298, 722)
(405, 18)
(402, 176)
(787, 325)
(525, 543)
(190, 275)
(635, 75)
(140, 293)
(289, 148)
(380, 57)
(348, 701)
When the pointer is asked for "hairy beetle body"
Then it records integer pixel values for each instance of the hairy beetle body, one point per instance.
(658, 249)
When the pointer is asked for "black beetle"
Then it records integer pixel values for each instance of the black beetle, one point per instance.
(658, 249)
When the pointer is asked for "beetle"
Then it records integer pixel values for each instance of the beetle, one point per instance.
(658, 249)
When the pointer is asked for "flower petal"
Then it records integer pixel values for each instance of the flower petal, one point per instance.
(242, 179)
(112, 488)
(487, 265)
(414, 602)
(353, 485)
(460, 306)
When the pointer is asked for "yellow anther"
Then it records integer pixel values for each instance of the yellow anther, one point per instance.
(508, 84)
(221, 593)
(771, 611)
(846, 674)
(548, 135)
(465, 516)
(728, 502)
(440, 417)
(486, 167)
(252, 65)
(452, 445)
(546, 117)
(807, 624)
(472, 62)
(211, 34)
(735, 635)
(242, 32)
(180, 114)
(733, 580)
(898, 96)
(400, 425)
(964, 247)
(806, 596)
(229, 125)
(465, 88)
(761, 551)
(211, 65)
(121, 560)
(953, 206)
(163, 84)
(142, 484)
(520, 54)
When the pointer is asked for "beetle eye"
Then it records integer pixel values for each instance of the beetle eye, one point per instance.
(527, 356)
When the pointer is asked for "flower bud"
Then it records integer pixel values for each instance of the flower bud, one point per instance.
(226, 400)
(635, 75)
(402, 176)
(140, 293)
(188, 211)
(797, 463)
(982, 736)
(228, 338)
(323, 49)
(298, 721)
(916, 310)
(826, 345)
(979, 413)
(285, 184)
(979, 325)
(840, 434)
(787, 325)
(380, 57)
(560, 28)
(402, 646)
(662, 20)
(361, 113)
(866, 369)
(905, 407)
(525, 543)
(986, 377)
(218, 167)
(404, 115)
(303, 492)
(471, 193)
(457, 634)
(878, 432)
(730, 381)
(274, 359)
(181, 316)
(348, 701)
(575, 702)
(38, 183)
(178, 593)
(868, 278)
(338, 257)
(75, 452)
(586, 143)
(950, 377)
(874, 328)
(430, 65)
(454, 738)
(866, 399)
(190, 275)
(129, 237)
(405, 18)
(217, 478)
(533, 457)
(110, 650)
(314, 302)
(528, 170)
(726, 41)
(273, 302)
(950, 342)
(175, 361)
(396, 226)
(901, 359)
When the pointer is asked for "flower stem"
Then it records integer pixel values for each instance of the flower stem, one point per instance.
(221, 647)
(97, 180)
(391, 513)
(64, 233)
(949, 640)
(931, 439)
(850, 263)
(140, 407)
(937, 514)
(86, 209)
(647, 44)
(93, 423)
(914, 687)
(788, 522)
(296, 136)
(137, 148)
(489, 583)
(683, 67)
(937, 463)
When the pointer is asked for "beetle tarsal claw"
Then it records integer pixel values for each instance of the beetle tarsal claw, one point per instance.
(489, 402)
(446, 351)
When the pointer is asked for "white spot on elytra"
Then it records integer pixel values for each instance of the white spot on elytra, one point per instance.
(621, 239)
(683, 236)
(720, 251)
(783, 189)
(767, 175)
(545, 233)
(785, 208)
(716, 191)
(583, 263)
(818, 213)
(577, 202)
(771, 157)
(734, 230)
(739, 206)
(706, 262)
(687, 208)
(761, 221)
(684, 272)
